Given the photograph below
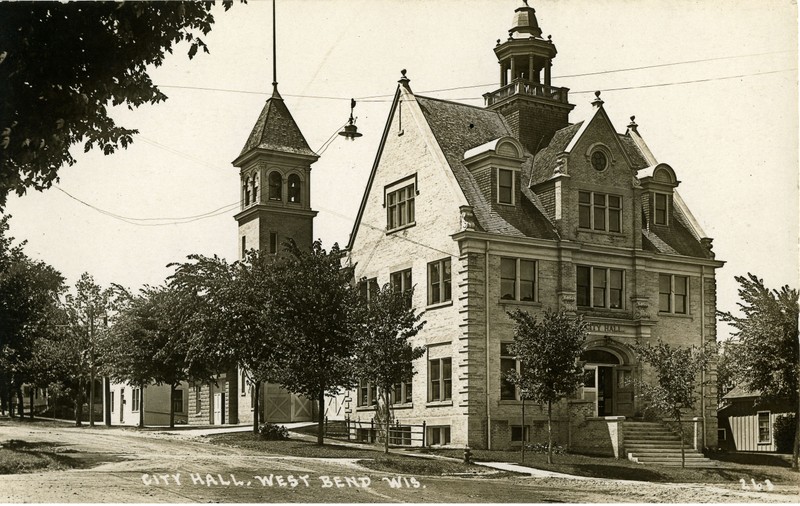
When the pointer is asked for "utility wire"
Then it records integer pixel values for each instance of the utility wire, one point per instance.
(601, 72)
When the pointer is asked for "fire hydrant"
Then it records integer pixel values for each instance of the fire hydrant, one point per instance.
(467, 454)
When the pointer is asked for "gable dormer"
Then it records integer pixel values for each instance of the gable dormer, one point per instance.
(658, 184)
(497, 168)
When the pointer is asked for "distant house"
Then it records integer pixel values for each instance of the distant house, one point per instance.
(126, 403)
(746, 423)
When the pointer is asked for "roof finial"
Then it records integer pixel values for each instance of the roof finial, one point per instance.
(404, 80)
(632, 125)
(597, 102)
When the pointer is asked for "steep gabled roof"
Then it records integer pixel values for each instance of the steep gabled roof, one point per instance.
(676, 239)
(459, 128)
(638, 159)
(545, 161)
(276, 130)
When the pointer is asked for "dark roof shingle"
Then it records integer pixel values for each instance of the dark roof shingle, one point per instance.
(459, 128)
(276, 130)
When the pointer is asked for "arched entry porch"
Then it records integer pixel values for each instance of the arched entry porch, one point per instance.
(608, 380)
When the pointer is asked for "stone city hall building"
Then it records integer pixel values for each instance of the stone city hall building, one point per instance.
(483, 210)
(487, 209)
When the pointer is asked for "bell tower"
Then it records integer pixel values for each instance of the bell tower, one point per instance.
(275, 172)
(533, 107)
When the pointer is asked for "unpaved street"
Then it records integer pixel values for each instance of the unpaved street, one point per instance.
(152, 467)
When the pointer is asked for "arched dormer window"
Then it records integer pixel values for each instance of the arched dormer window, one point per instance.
(294, 188)
(275, 183)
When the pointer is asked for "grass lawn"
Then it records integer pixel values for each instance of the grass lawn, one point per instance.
(22, 457)
(736, 466)
(370, 458)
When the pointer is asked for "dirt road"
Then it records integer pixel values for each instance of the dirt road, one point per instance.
(150, 467)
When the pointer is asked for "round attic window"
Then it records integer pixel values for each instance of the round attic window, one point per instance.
(599, 160)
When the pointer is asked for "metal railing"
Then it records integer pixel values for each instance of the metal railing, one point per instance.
(400, 434)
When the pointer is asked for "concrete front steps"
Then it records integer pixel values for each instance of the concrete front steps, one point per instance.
(654, 444)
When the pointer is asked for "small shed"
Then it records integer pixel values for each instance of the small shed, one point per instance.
(746, 421)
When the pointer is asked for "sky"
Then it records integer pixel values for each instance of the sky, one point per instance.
(713, 86)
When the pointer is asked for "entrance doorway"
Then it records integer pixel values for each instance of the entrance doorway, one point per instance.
(607, 382)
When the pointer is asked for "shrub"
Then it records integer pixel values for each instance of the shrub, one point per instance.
(784, 427)
(542, 448)
(273, 432)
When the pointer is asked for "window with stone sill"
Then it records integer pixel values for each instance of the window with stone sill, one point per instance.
(400, 206)
(440, 380)
(508, 363)
(518, 279)
(402, 393)
(673, 294)
(599, 211)
(439, 285)
(400, 282)
(600, 287)
(517, 432)
(367, 394)
(439, 435)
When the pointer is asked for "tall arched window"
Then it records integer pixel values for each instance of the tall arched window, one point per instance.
(294, 188)
(246, 191)
(275, 183)
(255, 189)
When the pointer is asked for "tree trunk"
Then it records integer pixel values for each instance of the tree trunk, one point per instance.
(321, 426)
(388, 421)
(79, 407)
(256, 405)
(796, 439)
(523, 429)
(20, 404)
(30, 397)
(680, 431)
(171, 406)
(549, 432)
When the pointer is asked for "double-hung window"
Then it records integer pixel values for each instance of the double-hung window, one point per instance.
(439, 287)
(137, 392)
(440, 380)
(764, 429)
(400, 282)
(177, 401)
(517, 279)
(400, 205)
(367, 394)
(368, 288)
(599, 287)
(508, 363)
(505, 186)
(600, 211)
(673, 294)
(402, 393)
(660, 209)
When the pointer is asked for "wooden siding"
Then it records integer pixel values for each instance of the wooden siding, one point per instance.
(744, 432)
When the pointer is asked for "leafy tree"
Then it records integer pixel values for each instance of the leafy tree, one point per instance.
(152, 341)
(63, 64)
(675, 387)
(767, 344)
(384, 354)
(312, 301)
(236, 317)
(727, 364)
(549, 350)
(87, 311)
(29, 292)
